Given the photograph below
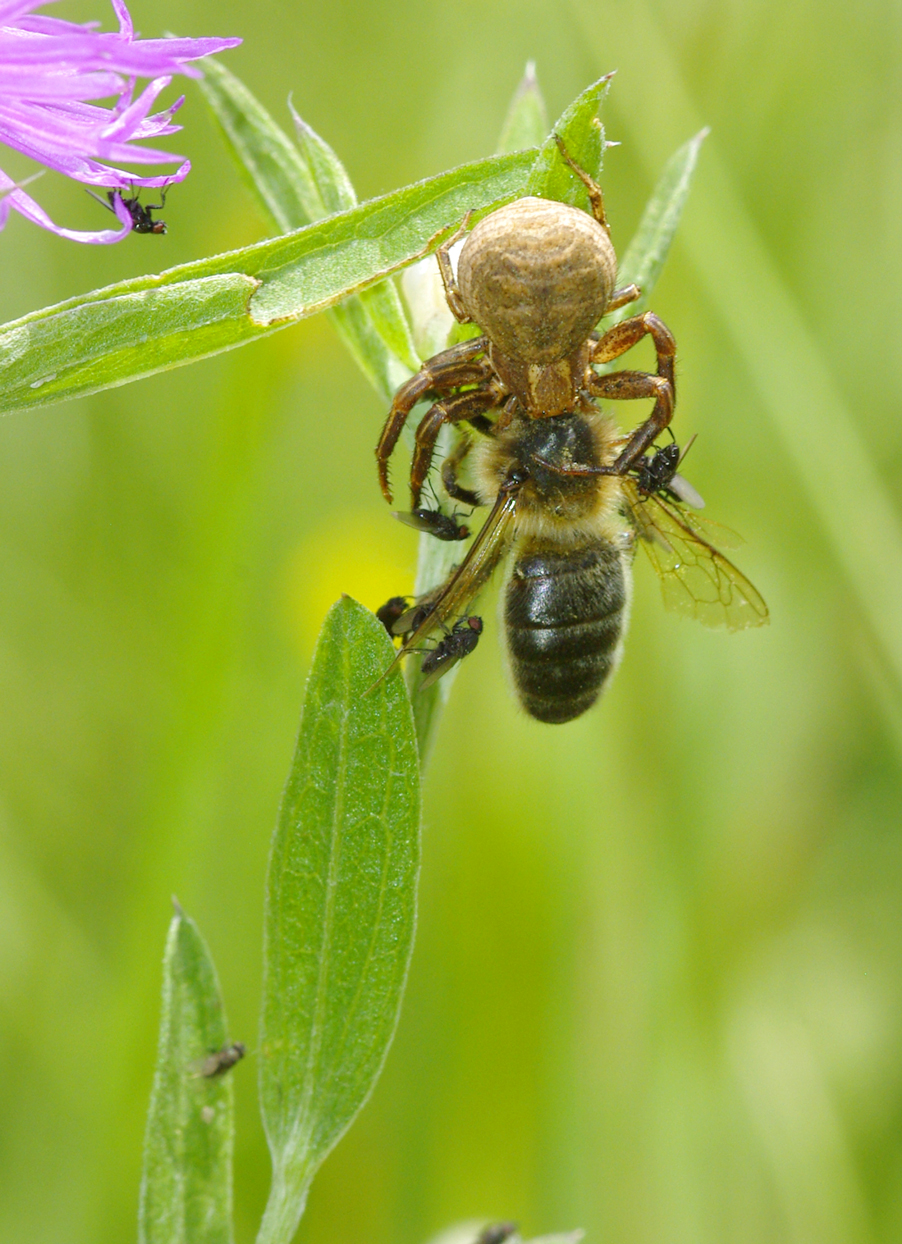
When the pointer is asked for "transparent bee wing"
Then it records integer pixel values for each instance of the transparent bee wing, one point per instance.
(681, 487)
(696, 579)
(467, 581)
(451, 600)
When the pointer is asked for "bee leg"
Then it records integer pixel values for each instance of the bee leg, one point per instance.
(452, 410)
(449, 473)
(441, 373)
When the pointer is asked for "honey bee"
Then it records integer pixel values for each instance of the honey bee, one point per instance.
(568, 528)
(570, 496)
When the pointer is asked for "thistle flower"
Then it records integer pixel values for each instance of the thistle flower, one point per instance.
(49, 68)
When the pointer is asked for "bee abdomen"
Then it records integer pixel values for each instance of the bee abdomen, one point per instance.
(565, 613)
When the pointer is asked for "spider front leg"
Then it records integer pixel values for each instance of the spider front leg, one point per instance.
(442, 373)
(465, 406)
(443, 255)
(627, 385)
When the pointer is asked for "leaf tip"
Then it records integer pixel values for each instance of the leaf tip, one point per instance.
(299, 123)
(177, 908)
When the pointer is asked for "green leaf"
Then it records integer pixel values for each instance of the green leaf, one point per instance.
(186, 1186)
(583, 136)
(153, 323)
(526, 123)
(265, 156)
(295, 187)
(644, 257)
(340, 906)
(333, 185)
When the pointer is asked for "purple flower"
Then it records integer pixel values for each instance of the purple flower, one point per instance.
(49, 68)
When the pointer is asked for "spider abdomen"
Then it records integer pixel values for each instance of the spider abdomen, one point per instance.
(537, 276)
(565, 613)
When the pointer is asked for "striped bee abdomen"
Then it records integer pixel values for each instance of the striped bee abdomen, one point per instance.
(565, 612)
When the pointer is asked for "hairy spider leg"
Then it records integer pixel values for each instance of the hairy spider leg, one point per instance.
(596, 198)
(442, 373)
(464, 406)
(443, 255)
(628, 385)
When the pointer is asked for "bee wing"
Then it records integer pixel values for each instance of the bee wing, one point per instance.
(450, 600)
(467, 581)
(696, 579)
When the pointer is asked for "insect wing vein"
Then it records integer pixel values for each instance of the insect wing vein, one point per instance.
(474, 571)
(696, 578)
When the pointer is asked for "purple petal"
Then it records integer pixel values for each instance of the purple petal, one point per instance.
(127, 121)
(24, 204)
(51, 70)
(124, 17)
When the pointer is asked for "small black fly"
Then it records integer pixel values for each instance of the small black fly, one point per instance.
(142, 220)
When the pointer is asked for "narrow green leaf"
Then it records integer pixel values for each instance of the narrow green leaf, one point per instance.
(333, 185)
(583, 136)
(265, 156)
(295, 187)
(644, 257)
(382, 304)
(186, 1186)
(153, 323)
(340, 906)
(526, 123)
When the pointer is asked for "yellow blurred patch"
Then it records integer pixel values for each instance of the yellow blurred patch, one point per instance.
(369, 559)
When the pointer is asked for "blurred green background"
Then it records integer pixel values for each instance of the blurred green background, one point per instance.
(657, 990)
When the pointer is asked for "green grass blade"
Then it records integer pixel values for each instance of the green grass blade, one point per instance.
(186, 1186)
(526, 123)
(340, 907)
(644, 257)
(153, 323)
(583, 136)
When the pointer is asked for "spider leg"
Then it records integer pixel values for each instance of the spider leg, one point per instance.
(452, 410)
(621, 297)
(633, 384)
(452, 292)
(442, 373)
(596, 198)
